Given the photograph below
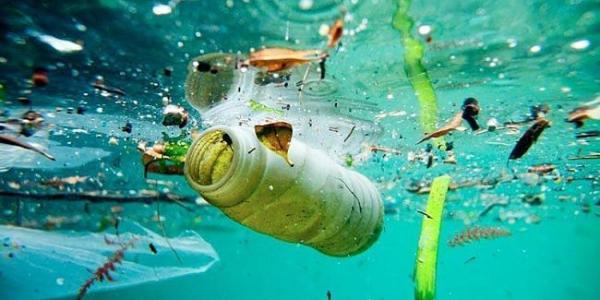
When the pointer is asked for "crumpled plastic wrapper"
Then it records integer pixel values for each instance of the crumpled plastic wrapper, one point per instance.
(37, 264)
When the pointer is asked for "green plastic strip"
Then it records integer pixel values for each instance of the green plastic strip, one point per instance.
(426, 264)
(416, 72)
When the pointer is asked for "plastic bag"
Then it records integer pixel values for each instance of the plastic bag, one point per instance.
(38, 264)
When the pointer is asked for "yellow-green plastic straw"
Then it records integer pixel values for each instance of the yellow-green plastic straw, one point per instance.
(416, 72)
(426, 263)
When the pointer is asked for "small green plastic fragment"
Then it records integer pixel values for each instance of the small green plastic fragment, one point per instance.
(426, 264)
(2, 92)
(259, 107)
(177, 150)
(416, 72)
(349, 160)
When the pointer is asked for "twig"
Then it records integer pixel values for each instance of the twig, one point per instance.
(164, 232)
(99, 197)
(350, 133)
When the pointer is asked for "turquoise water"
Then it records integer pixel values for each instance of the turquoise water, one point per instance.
(510, 55)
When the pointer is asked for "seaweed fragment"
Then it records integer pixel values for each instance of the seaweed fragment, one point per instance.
(426, 263)
(414, 51)
(477, 233)
(103, 271)
(529, 138)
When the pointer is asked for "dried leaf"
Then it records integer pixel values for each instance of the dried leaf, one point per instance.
(335, 33)
(9, 140)
(452, 125)
(61, 182)
(165, 158)
(530, 137)
(276, 136)
(541, 169)
(580, 114)
(278, 59)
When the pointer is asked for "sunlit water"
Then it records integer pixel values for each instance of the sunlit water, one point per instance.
(510, 55)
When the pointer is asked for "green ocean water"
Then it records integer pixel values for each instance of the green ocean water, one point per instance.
(510, 55)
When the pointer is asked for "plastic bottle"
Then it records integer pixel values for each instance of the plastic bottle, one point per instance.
(315, 202)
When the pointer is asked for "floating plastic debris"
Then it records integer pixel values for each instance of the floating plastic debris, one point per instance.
(162, 9)
(580, 45)
(70, 255)
(266, 193)
(60, 45)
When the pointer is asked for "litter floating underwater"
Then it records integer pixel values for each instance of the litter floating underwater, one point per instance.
(68, 257)
(316, 202)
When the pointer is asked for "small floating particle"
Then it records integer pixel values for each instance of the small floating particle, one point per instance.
(161, 9)
(472, 258)
(168, 71)
(586, 208)
(534, 199)
(535, 49)
(113, 140)
(580, 45)
(492, 124)
(60, 281)
(174, 115)
(116, 209)
(24, 100)
(152, 248)
(100, 85)
(542, 169)
(127, 128)
(305, 4)
(40, 77)
(81, 110)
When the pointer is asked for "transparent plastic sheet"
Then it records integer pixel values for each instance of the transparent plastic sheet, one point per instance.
(37, 264)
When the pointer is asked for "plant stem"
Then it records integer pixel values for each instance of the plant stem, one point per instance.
(416, 72)
(426, 264)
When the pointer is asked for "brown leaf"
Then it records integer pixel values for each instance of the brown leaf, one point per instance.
(452, 125)
(9, 140)
(580, 114)
(155, 161)
(335, 33)
(529, 137)
(61, 182)
(279, 59)
(276, 136)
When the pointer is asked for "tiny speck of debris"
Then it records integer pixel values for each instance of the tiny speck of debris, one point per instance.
(152, 248)
(60, 281)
